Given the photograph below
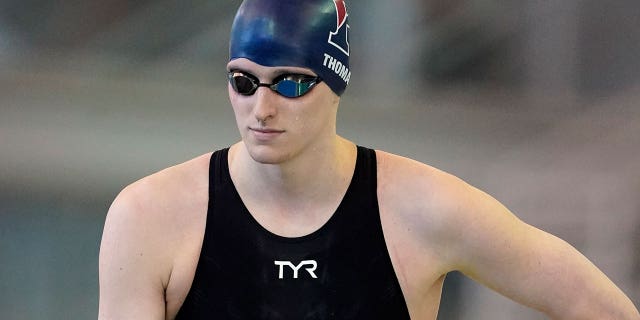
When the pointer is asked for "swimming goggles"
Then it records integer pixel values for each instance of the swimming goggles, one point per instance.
(290, 85)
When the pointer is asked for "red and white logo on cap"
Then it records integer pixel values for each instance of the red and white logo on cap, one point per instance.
(340, 37)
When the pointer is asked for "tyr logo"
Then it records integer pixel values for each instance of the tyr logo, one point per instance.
(312, 265)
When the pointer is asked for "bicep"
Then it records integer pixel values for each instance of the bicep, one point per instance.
(526, 264)
(129, 273)
(522, 263)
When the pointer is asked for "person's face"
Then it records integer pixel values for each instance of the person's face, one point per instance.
(274, 128)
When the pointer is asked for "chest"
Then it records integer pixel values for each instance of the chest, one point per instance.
(340, 271)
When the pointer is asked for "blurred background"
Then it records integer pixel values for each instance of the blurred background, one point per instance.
(535, 102)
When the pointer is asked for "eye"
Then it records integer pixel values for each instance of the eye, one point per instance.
(294, 77)
(240, 73)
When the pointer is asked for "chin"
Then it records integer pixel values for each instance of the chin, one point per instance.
(268, 154)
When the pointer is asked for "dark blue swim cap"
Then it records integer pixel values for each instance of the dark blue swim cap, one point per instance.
(299, 33)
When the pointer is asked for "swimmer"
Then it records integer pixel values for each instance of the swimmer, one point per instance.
(297, 222)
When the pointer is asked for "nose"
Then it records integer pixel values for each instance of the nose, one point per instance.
(266, 104)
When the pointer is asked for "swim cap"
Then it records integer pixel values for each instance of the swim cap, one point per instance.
(311, 34)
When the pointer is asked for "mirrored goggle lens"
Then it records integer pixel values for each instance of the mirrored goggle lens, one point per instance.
(292, 88)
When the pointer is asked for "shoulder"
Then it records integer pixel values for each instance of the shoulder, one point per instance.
(173, 186)
(446, 213)
(422, 189)
(436, 206)
(155, 211)
(407, 182)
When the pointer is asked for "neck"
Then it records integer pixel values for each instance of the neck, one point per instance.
(312, 175)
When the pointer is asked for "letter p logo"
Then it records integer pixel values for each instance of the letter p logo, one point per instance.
(340, 37)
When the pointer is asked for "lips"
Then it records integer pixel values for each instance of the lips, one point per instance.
(265, 134)
(265, 130)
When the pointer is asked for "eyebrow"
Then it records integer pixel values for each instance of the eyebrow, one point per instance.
(281, 71)
(276, 72)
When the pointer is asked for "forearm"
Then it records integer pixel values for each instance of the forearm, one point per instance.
(594, 296)
(588, 313)
(544, 272)
(613, 305)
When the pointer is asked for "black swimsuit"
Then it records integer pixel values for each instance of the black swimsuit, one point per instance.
(340, 271)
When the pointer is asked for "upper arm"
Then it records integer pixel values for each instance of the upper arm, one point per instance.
(455, 226)
(492, 246)
(132, 270)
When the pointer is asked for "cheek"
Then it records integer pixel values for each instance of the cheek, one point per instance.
(236, 104)
(310, 118)
(240, 113)
(233, 97)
